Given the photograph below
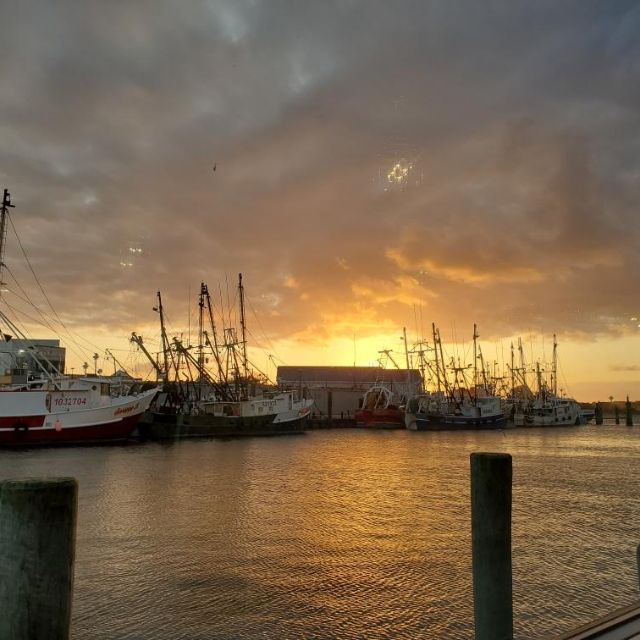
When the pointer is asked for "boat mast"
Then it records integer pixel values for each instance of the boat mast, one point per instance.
(523, 371)
(435, 349)
(554, 382)
(243, 328)
(444, 371)
(475, 361)
(201, 326)
(4, 210)
(539, 380)
(215, 347)
(165, 340)
(513, 375)
(406, 355)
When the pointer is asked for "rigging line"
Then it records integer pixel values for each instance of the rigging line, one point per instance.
(26, 257)
(45, 320)
(268, 340)
(45, 317)
(17, 311)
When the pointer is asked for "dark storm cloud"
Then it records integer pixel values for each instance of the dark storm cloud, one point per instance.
(517, 124)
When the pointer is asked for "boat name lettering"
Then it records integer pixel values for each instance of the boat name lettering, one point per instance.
(120, 410)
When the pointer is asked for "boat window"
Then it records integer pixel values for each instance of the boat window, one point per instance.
(105, 389)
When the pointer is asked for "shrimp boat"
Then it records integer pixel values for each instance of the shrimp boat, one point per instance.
(436, 412)
(546, 408)
(456, 404)
(381, 408)
(229, 400)
(55, 409)
(68, 411)
(383, 404)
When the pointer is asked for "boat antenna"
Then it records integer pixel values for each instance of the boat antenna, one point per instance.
(4, 210)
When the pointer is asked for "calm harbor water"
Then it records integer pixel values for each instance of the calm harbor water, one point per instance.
(341, 534)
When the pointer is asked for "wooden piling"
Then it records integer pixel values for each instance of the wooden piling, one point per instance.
(617, 413)
(491, 479)
(599, 413)
(37, 550)
(629, 413)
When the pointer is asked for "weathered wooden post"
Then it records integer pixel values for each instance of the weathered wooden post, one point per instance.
(491, 476)
(617, 412)
(37, 550)
(629, 413)
(598, 412)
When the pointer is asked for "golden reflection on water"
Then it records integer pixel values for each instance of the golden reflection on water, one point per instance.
(341, 534)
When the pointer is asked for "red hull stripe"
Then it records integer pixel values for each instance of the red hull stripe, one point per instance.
(381, 416)
(29, 421)
(110, 431)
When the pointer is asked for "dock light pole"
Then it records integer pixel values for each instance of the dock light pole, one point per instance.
(491, 479)
(37, 550)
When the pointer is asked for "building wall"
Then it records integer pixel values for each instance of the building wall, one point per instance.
(17, 354)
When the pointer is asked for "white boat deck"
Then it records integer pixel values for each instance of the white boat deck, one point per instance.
(623, 624)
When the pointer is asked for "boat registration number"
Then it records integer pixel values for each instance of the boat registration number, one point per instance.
(69, 401)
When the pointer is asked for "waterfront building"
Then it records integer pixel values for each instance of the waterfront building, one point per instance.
(345, 385)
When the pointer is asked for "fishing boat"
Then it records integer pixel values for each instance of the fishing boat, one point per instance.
(230, 400)
(437, 412)
(545, 407)
(381, 408)
(383, 404)
(61, 410)
(51, 408)
(268, 414)
(455, 404)
(549, 411)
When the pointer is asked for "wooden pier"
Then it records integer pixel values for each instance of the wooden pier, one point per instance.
(623, 624)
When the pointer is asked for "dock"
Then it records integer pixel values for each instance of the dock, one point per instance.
(623, 624)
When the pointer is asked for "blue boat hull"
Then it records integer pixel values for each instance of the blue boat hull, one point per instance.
(451, 422)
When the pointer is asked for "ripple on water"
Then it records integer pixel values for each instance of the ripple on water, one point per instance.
(341, 534)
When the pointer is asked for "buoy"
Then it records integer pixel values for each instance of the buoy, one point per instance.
(57, 425)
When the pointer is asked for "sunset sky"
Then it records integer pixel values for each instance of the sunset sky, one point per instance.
(377, 165)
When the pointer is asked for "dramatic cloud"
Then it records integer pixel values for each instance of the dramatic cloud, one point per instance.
(480, 162)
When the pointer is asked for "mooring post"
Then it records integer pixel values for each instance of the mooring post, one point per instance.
(37, 549)
(629, 413)
(598, 412)
(491, 475)
(617, 414)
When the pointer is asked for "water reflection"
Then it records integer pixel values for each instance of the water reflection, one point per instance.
(343, 534)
